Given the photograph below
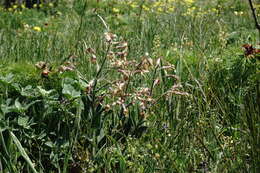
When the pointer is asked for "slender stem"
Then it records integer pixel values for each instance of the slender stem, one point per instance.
(101, 67)
(97, 77)
(80, 25)
(205, 147)
(254, 16)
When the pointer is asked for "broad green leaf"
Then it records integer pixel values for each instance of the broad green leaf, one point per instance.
(45, 93)
(22, 151)
(7, 79)
(16, 86)
(6, 108)
(68, 80)
(69, 91)
(18, 105)
(29, 92)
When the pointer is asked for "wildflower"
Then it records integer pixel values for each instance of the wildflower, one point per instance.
(41, 65)
(160, 9)
(133, 5)
(157, 155)
(64, 68)
(171, 9)
(89, 87)
(14, 6)
(175, 90)
(58, 13)
(156, 82)
(189, 2)
(93, 59)
(123, 45)
(37, 29)
(26, 26)
(115, 10)
(45, 72)
(109, 37)
(107, 107)
(146, 8)
(90, 50)
(250, 50)
(51, 5)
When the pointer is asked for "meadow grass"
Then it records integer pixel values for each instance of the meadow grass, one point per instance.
(129, 86)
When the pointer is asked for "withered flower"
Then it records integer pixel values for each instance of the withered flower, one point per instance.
(90, 50)
(158, 62)
(123, 45)
(175, 89)
(41, 65)
(111, 55)
(109, 37)
(122, 54)
(126, 73)
(45, 72)
(250, 50)
(44, 67)
(156, 82)
(173, 76)
(64, 68)
(93, 59)
(89, 87)
(107, 107)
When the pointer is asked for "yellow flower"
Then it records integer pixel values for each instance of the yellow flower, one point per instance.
(189, 2)
(157, 4)
(146, 8)
(51, 5)
(115, 10)
(133, 5)
(171, 9)
(159, 9)
(37, 29)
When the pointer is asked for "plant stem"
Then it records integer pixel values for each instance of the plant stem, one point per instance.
(254, 16)
(80, 25)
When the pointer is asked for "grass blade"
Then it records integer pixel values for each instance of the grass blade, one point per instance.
(22, 151)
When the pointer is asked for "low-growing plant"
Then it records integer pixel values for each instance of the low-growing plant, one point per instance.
(61, 112)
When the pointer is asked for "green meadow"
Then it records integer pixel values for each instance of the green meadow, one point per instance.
(145, 86)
